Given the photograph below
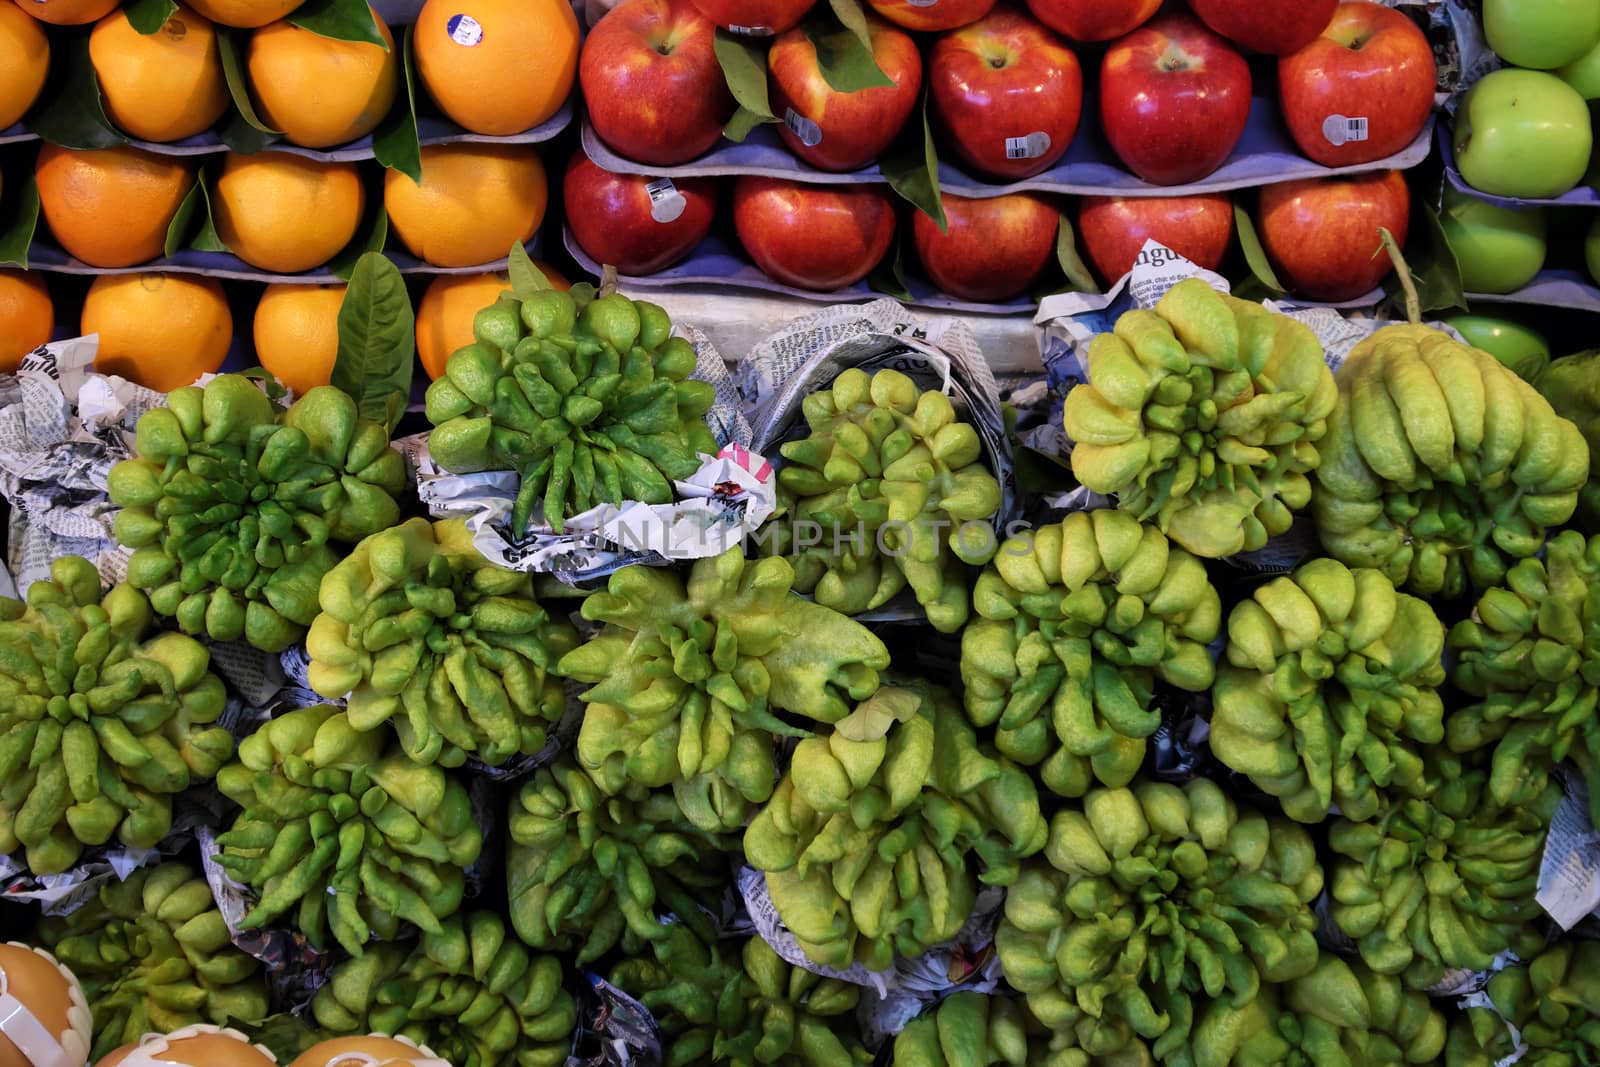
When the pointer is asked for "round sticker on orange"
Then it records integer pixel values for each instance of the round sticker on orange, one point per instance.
(464, 30)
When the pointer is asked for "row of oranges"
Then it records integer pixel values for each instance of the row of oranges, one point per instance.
(165, 330)
(285, 213)
(508, 71)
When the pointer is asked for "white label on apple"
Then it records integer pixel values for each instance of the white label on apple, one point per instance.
(923, 3)
(1340, 129)
(666, 203)
(751, 31)
(464, 30)
(1032, 146)
(809, 132)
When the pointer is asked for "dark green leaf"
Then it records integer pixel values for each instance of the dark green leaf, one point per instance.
(911, 167)
(72, 115)
(744, 66)
(1434, 269)
(16, 234)
(207, 240)
(844, 56)
(377, 340)
(526, 278)
(395, 143)
(1079, 279)
(183, 221)
(276, 390)
(342, 20)
(372, 238)
(744, 120)
(285, 1035)
(231, 47)
(148, 16)
(889, 276)
(1261, 271)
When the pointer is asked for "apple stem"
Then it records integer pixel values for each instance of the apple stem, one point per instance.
(1403, 272)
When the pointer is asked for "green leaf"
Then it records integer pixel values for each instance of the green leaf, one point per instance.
(285, 1035)
(526, 277)
(244, 127)
(395, 143)
(72, 116)
(372, 239)
(16, 235)
(744, 67)
(377, 340)
(852, 18)
(183, 221)
(276, 390)
(1079, 278)
(744, 120)
(342, 20)
(911, 166)
(207, 240)
(843, 54)
(889, 276)
(1434, 269)
(1261, 272)
(148, 16)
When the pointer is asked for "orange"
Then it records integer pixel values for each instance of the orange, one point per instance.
(444, 318)
(297, 333)
(26, 315)
(163, 86)
(285, 213)
(68, 12)
(24, 61)
(160, 330)
(474, 203)
(111, 207)
(247, 14)
(318, 91)
(497, 67)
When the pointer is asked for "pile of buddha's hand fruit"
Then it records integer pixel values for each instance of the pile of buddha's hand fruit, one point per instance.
(1204, 416)
(102, 720)
(420, 630)
(1441, 467)
(1553, 1001)
(892, 484)
(1077, 622)
(343, 832)
(153, 954)
(588, 404)
(234, 506)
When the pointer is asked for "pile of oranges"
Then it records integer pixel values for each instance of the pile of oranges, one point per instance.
(496, 68)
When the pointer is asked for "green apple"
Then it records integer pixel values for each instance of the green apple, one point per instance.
(1583, 74)
(1499, 249)
(1591, 250)
(1541, 34)
(1522, 349)
(1524, 134)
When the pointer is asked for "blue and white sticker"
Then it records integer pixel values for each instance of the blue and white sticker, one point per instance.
(464, 30)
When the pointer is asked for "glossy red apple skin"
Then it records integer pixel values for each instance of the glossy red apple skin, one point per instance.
(652, 84)
(1276, 27)
(1113, 229)
(855, 127)
(611, 217)
(819, 237)
(1322, 233)
(764, 17)
(1370, 62)
(935, 17)
(1005, 76)
(995, 249)
(1174, 100)
(1093, 20)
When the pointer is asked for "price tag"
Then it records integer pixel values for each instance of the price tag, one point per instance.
(1341, 129)
(666, 203)
(809, 132)
(1032, 146)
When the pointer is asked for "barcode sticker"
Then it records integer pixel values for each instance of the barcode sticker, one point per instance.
(1032, 146)
(464, 30)
(751, 31)
(666, 203)
(923, 3)
(1341, 129)
(809, 132)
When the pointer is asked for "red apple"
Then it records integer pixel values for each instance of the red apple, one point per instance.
(1093, 20)
(1174, 99)
(1114, 229)
(1371, 63)
(654, 89)
(1276, 27)
(637, 224)
(1322, 233)
(758, 18)
(1006, 95)
(932, 16)
(821, 237)
(842, 131)
(995, 247)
